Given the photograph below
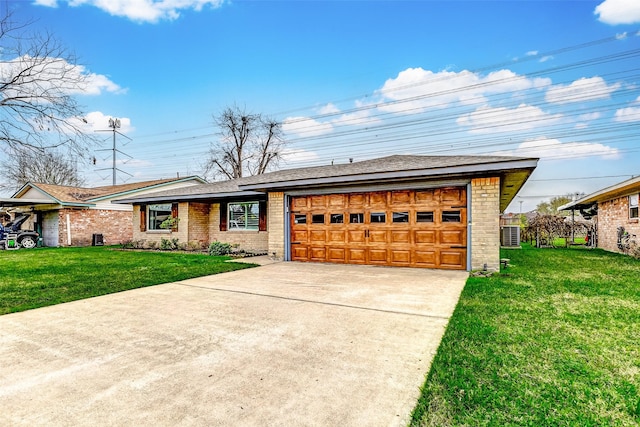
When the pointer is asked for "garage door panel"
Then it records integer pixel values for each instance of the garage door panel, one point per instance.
(451, 258)
(356, 199)
(401, 197)
(317, 236)
(378, 236)
(317, 253)
(400, 256)
(378, 199)
(453, 196)
(453, 237)
(336, 237)
(357, 255)
(356, 236)
(336, 255)
(425, 258)
(378, 256)
(426, 197)
(318, 202)
(298, 203)
(401, 236)
(425, 237)
(336, 201)
(299, 236)
(299, 253)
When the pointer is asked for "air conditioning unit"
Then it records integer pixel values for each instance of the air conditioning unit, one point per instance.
(510, 235)
(97, 240)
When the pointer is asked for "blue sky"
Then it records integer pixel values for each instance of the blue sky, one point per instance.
(559, 80)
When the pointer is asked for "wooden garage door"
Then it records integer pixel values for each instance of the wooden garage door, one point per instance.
(411, 228)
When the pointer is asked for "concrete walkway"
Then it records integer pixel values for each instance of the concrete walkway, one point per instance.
(285, 344)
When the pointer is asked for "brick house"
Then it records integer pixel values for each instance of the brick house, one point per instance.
(415, 211)
(70, 216)
(612, 207)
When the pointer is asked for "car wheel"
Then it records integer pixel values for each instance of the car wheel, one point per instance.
(27, 242)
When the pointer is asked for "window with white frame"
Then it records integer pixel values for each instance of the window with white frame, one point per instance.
(243, 216)
(157, 214)
(633, 206)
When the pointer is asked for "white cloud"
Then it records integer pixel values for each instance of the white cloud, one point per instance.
(629, 114)
(416, 89)
(305, 126)
(48, 75)
(554, 148)
(493, 120)
(329, 109)
(139, 10)
(583, 89)
(298, 155)
(98, 121)
(616, 12)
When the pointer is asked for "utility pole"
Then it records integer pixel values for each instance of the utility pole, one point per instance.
(114, 125)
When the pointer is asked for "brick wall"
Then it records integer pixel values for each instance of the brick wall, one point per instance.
(485, 225)
(275, 224)
(115, 226)
(198, 226)
(611, 215)
(247, 240)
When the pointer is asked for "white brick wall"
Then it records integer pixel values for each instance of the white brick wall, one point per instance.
(485, 225)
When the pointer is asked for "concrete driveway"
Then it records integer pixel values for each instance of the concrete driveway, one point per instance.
(286, 344)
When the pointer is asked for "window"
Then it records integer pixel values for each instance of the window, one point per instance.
(451, 216)
(424, 216)
(337, 218)
(633, 206)
(300, 219)
(158, 214)
(317, 219)
(377, 217)
(356, 218)
(243, 216)
(401, 217)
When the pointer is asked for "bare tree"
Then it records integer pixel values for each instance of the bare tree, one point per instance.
(38, 79)
(249, 144)
(51, 167)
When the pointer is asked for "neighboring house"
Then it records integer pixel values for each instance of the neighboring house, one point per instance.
(414, 211)
(70, 216)
(611, 207)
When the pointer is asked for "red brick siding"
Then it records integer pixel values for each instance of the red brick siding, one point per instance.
(611, 215)
(115, 226)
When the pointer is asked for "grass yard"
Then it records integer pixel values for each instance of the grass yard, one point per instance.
(47, 276)
(552, 341)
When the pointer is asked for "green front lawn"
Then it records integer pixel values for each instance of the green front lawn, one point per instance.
(554, 340)
(31, 278)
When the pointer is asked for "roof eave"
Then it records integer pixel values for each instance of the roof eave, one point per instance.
(398, 175)
(124, 193)
(189, 197)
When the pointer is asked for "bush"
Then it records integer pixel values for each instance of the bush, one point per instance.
(169, 245)
(218, 248)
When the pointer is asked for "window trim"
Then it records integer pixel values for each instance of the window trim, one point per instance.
(634, 207)
(230, 221)
(149, 218)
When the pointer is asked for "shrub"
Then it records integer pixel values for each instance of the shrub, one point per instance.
(218, 248)
(152, 244)
(168, 245)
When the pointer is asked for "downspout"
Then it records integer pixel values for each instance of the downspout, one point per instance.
(68, 230)
(469, 229)
(287, 230)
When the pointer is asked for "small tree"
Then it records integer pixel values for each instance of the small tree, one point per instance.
(50, 167)
(249, 144)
